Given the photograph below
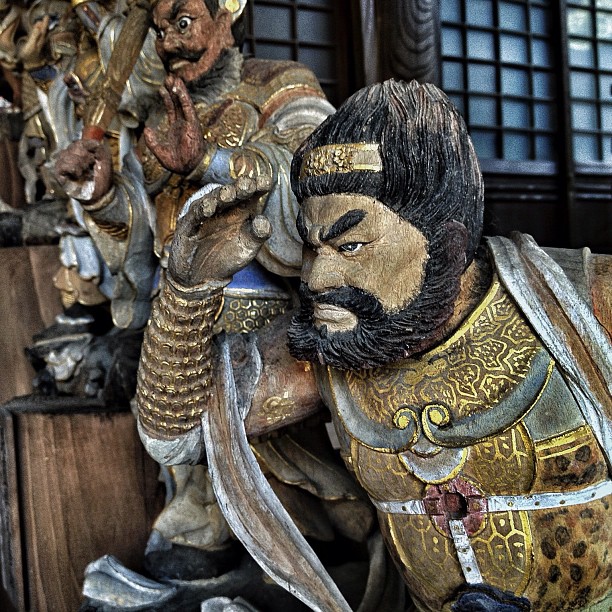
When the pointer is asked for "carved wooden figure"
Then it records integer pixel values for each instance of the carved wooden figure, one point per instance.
(75, 356)
(229, 122)
(469, 382)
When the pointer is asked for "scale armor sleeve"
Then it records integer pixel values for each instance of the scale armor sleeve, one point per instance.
(175, 373)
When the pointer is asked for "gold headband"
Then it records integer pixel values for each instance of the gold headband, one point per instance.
(341, 158)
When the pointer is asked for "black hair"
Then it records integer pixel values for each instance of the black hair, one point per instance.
(238, 27)
(430, 174)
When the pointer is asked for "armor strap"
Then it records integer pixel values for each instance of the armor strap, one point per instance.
(465, 553)
(503, 503)
(494, 503)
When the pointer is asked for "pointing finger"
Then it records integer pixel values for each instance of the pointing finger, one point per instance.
(186, 103)
(168, 100)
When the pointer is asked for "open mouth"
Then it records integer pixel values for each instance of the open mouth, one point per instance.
(336, 318)
(179, 63)
(186, 58)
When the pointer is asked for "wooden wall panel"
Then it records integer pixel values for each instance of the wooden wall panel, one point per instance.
(86, 488)
(408, 35)
(28, 304)
(11, 555)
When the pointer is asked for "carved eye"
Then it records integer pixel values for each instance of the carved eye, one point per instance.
(183, 23)
(351, 247)
(160, 34)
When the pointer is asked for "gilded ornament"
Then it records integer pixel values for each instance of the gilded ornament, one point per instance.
(341, 158)
(437, 414)
(275, 409)
(404, 416)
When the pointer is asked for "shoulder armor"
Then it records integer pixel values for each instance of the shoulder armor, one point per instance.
(600, 280)
(269, 84)
(591, 276)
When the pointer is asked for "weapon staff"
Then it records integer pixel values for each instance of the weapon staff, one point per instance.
(104, 102)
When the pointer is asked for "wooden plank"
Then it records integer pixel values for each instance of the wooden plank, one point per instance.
(88, 489)
(11, 559)
(44, 264)
(29, 303)
(11, 185)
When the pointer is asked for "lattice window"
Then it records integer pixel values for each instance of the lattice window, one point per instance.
(304, 31)
(589, 27)
(497, 66)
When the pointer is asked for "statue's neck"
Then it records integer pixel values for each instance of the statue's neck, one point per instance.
(221, 78)
(474, 283)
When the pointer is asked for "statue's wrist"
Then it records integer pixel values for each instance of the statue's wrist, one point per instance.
(199, 291)
(197, 174)
(99, 203)
(177, 346)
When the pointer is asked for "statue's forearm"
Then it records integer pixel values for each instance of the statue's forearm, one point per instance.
(118, 219)
(112, 212)
(175, 374)
(225, 165)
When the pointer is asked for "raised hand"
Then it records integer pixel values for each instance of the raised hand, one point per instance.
(220, 234)
(85, 170)
(182, 146)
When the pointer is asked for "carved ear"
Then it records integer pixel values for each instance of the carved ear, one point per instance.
(456, 238)
(235, 7)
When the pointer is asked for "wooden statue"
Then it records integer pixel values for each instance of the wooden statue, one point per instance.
(37, 42)
(243, 117)
(223, 121)
(79, 354)
(469, 383)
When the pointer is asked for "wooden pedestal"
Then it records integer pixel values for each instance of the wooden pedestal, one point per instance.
(75, 484)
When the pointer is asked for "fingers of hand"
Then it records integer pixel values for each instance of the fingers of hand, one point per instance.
(76, 161)
(254, 232)
(207, 206)
(243, 189)
(199, 211)
(186, 103)
(93, 146)
(167, 97)
(264, 183)
(228, 196)
(152, 141)
(261, 228)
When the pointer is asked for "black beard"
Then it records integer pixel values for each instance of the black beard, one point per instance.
(379, 337)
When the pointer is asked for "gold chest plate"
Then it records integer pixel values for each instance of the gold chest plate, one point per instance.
(488, 356)
(468, 379)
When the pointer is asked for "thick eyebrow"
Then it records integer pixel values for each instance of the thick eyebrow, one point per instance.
(346, 222)
(177, 5)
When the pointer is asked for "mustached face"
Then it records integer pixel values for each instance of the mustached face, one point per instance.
(365, 296)
(189, 40)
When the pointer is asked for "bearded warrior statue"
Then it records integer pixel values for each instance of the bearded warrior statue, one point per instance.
(469, 381)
